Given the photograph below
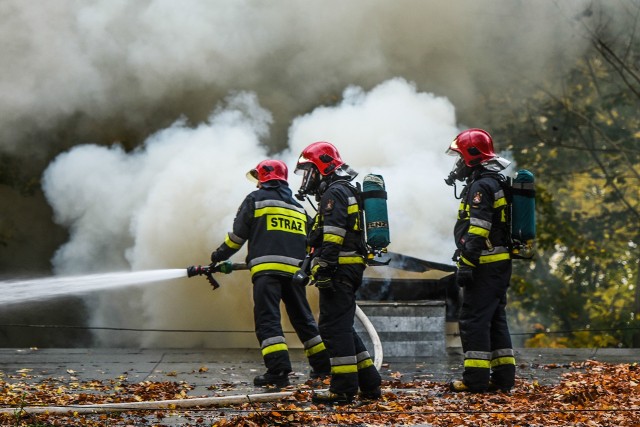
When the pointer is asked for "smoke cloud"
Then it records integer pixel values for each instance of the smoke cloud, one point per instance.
(211, 88)
(170, 203)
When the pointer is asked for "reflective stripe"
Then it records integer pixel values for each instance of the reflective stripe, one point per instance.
(273, 348)
(477, 355)
(500, 203)
(344, 369)
(280, 204)
(351, 260)
(362, 356)
(271, 341)
(365, 364)
(478, 231)
(480, 223)
(344, 360)
(315, 349)
(353, 205)
(280, 259)
(280, 211)
(502, 352)
(332, 238)
(273, 344)
(486, 259)
(477, 363)
(466, 261)
(498, 253)
(506, 360)
(338, 231)
(233, 241)
(274, 266)
(313, 341)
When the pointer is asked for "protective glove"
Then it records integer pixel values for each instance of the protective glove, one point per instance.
(324, 282)
(322, 276)
(464, 276)
(216, 257)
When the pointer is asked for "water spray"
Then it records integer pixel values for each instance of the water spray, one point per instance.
(22, 290)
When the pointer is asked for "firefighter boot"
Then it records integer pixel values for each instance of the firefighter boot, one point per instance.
(458, 386)
(279, 379)
(374, 394)
(330, 398)
(494, 388)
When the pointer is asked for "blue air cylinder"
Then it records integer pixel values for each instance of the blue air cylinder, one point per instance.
(374, 195)
(523, 209)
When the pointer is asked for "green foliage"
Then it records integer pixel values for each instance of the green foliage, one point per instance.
(583, 144)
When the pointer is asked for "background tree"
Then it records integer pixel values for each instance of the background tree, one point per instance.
(583, 143)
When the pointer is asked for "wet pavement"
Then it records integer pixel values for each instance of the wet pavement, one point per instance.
(230, 372)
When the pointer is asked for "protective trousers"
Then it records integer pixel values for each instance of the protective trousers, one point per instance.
(268, 291)
(488, 355)
(351, 364)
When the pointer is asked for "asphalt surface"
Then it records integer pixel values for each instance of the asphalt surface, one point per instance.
(230, 372)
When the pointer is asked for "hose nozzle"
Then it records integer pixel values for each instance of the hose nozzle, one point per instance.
(198, 270)
(201, 270)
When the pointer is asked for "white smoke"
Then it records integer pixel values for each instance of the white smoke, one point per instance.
(170, 203)
(108, 66)
(67, 62)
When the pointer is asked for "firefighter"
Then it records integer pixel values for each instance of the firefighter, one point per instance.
(275, 226)
(338, 263)
(484, 264)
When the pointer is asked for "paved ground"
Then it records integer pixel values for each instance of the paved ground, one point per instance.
(209, 369)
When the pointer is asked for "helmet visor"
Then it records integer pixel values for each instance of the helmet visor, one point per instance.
(303, 165)
(453, 149)
(252, 176)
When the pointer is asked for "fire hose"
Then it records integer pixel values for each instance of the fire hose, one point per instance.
(208, 272)
(299, 278)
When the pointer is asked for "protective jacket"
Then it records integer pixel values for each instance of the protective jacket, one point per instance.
(337, 231)
(338, 242)
(481, 231)
(275, 225)
(482, 237)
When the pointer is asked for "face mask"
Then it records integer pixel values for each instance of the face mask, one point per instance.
(460, 172)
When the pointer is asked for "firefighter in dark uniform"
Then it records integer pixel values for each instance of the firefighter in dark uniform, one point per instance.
(275, 225)
(338, 263)
(484, 264)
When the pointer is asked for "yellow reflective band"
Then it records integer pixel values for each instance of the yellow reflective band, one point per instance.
(500, 203)
(231, 243)
(507, 360)
(333, 238)
(275, 266)
(273, 348)
(477, 363)
(352, 209)
(365, 363)
(350, 260)
(272, 210)
(486, 259)
(286, 223)
(344, 369)
(466, 261)
(478, 231)
(315, 349)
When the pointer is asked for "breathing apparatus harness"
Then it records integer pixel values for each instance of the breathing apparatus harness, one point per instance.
(520, 214)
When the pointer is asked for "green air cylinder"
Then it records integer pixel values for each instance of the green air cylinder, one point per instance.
(374, 195)
(523, 209)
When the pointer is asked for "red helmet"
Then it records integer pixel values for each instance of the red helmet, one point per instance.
(323, 155)
(268, 170)
(474, 145)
